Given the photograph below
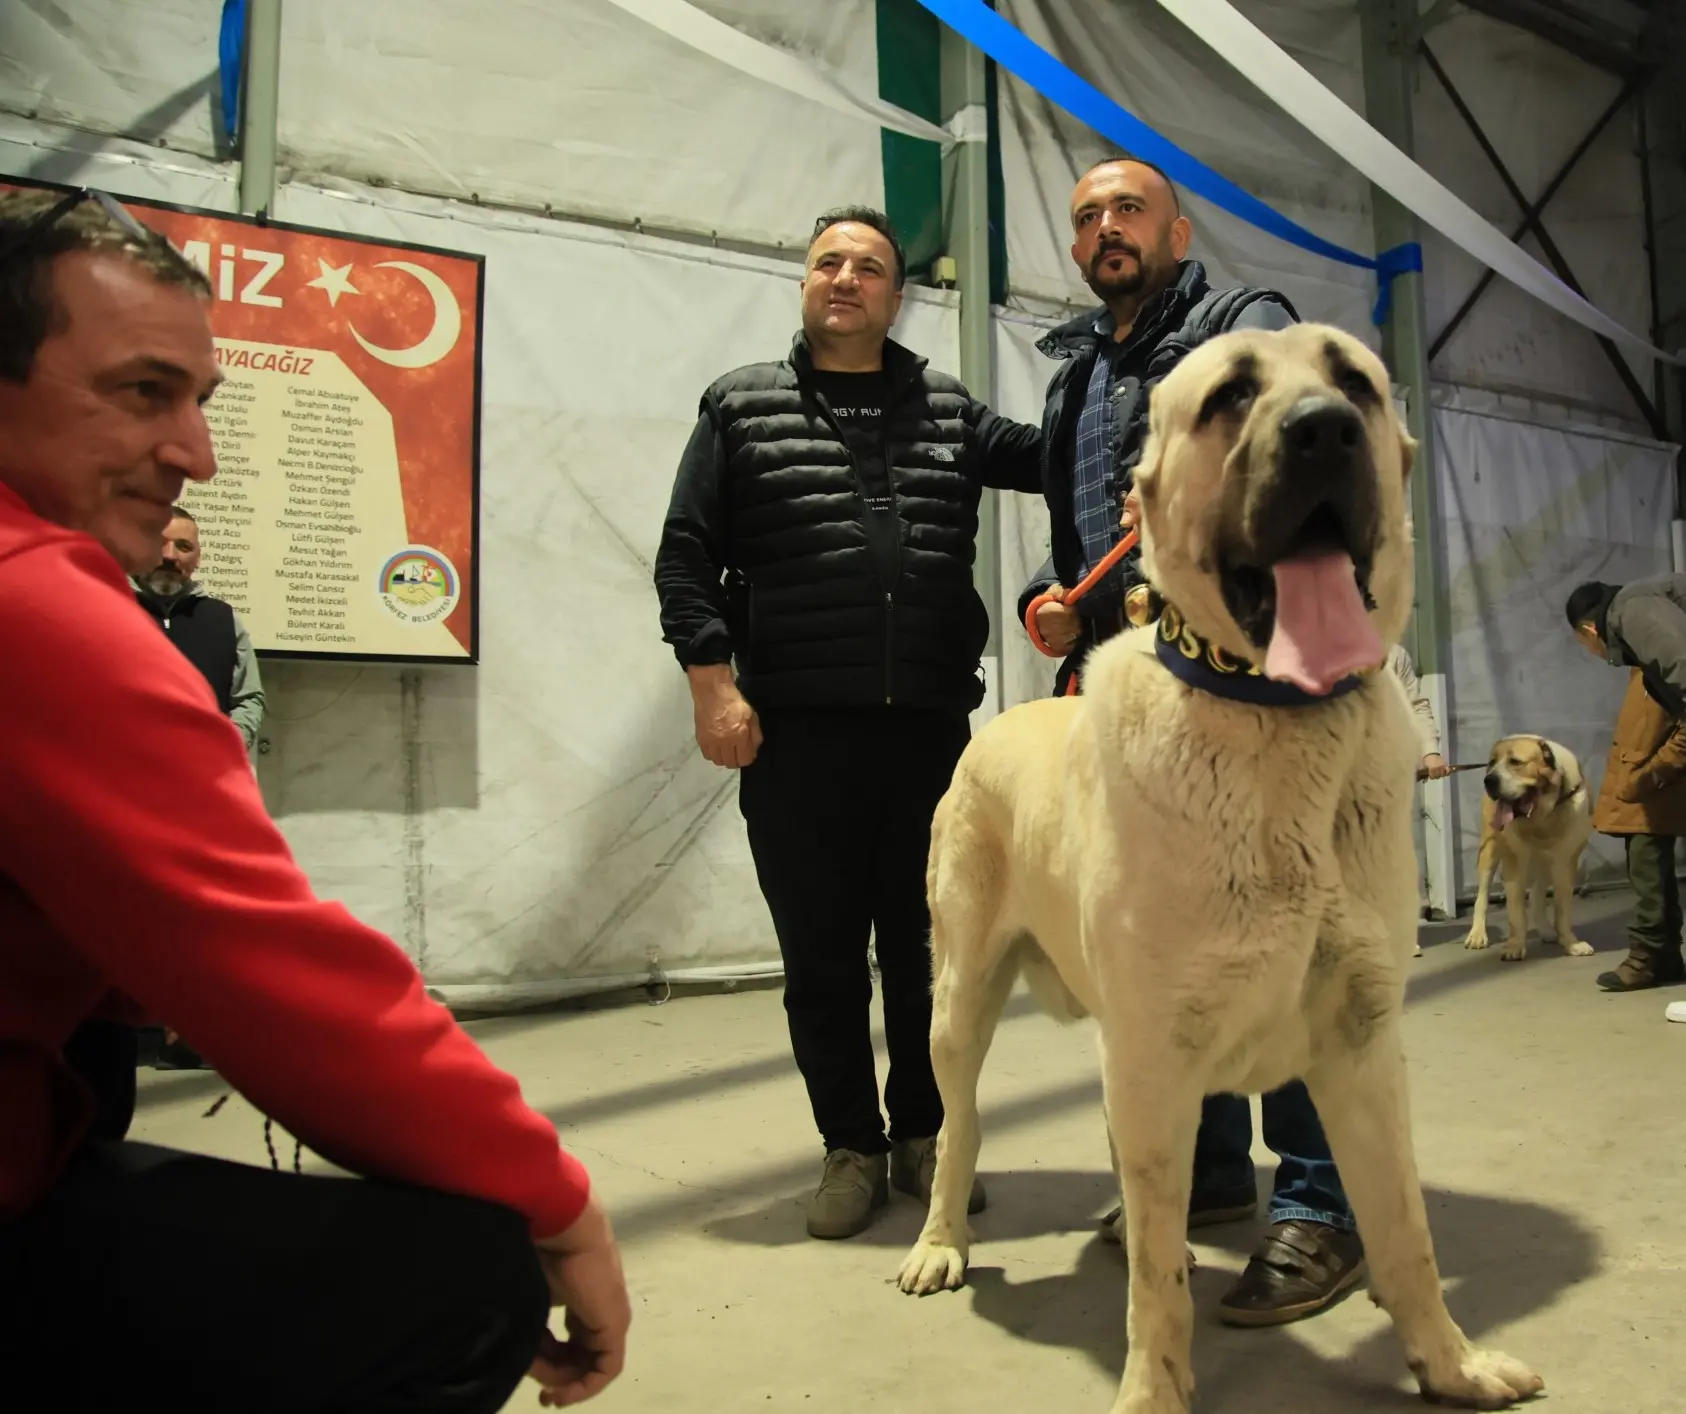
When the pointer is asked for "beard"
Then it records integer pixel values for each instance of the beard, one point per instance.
(165, 582)
(1107, 284)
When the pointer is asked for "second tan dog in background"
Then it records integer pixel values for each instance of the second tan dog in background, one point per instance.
(1536, 820)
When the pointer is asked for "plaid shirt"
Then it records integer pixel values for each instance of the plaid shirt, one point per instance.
(1096, 501)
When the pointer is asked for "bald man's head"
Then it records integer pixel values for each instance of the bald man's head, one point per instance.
(1128, 228)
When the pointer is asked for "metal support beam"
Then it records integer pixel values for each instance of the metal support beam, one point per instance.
(1623, 371)
(1389, 63)
(259, 102)
(1532, 219)
(1663, 174)
(1432, 18)
(965, 98)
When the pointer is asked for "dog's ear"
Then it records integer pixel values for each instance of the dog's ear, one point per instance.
(1144, 480)
(1407, 453)
(1548, 755)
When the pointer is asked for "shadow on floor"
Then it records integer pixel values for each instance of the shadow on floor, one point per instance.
(1500, 1261)
(1027, 1203)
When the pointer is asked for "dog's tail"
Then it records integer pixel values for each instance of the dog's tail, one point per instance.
(1046, 984)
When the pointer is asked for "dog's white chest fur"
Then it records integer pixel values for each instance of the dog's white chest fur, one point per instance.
(1250, 868)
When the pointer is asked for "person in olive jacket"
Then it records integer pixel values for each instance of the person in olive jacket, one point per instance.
(1643, 803)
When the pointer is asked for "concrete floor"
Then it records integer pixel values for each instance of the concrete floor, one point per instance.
(1549, 1132)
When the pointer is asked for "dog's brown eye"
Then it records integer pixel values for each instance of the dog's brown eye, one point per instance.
(1230, 397)
(1357, 387)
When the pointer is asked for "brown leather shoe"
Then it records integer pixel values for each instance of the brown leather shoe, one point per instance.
(1300, 1268)
(1643, 969)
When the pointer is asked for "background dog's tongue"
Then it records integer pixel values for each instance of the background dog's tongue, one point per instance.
(1322, 631)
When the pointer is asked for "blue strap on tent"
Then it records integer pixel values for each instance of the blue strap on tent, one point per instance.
(231, 56)
(973, 20)
(1398, 261)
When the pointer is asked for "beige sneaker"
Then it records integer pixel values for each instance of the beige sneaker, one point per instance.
(853, 1187)
(913, 1167)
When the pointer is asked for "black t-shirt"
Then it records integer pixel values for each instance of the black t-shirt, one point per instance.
(857, 402)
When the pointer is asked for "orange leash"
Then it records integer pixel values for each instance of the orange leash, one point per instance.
(1077, 591)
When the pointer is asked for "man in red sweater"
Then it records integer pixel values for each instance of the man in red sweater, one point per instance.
(426, 1285)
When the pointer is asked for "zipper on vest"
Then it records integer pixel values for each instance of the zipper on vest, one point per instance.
(889, 647)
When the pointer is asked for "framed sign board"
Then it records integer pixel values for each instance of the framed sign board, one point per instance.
(344, 518)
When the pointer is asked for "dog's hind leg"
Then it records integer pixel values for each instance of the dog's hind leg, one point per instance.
(1153, 1127)
(1359, 1089)
(1563, 870)
(975, 974)
(1488, 860)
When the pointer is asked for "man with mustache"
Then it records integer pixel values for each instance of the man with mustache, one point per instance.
(206, 629)
(821, 535)
(1130, 243)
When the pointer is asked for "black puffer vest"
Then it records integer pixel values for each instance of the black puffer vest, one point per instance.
(818, 618)
(203, 629)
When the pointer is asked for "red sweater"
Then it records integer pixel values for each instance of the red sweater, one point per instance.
(137, 861)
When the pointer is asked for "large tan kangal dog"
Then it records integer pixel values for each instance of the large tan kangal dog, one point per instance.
(1212, 858)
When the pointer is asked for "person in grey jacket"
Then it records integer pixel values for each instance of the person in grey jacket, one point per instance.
(1642, 626)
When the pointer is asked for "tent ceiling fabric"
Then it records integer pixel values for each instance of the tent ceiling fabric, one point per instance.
(1608, 33)
(576, 104)
(571, 103)
(1535, 101)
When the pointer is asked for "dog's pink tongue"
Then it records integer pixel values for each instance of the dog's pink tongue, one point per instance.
(1503, 814)
(1322, 631)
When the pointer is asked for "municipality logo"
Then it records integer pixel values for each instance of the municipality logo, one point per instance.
(942, 454)
(419, 585)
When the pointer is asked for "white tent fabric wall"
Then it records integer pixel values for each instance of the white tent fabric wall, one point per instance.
(541, 824)
(1528, 512)
(569, 103)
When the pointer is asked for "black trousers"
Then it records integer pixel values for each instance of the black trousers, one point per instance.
(839, 806)
(308, 1294)
(105, 1054)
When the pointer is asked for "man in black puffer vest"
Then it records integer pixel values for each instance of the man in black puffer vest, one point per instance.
(1130, 243)
(821, 535)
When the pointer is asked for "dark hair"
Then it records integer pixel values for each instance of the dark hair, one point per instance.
(29, 310)
(864, 216)
(182, 513)
(1585, 600)
(1176, 196)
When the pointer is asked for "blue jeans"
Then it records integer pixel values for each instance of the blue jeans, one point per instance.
(1308, 1187)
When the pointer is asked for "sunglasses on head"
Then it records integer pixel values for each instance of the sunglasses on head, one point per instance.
(19, 240)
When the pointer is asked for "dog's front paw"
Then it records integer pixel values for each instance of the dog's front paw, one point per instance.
(1576, 948)
(932, 1267)
(1487, 1379)
(1514, 950)
(1477, 939)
